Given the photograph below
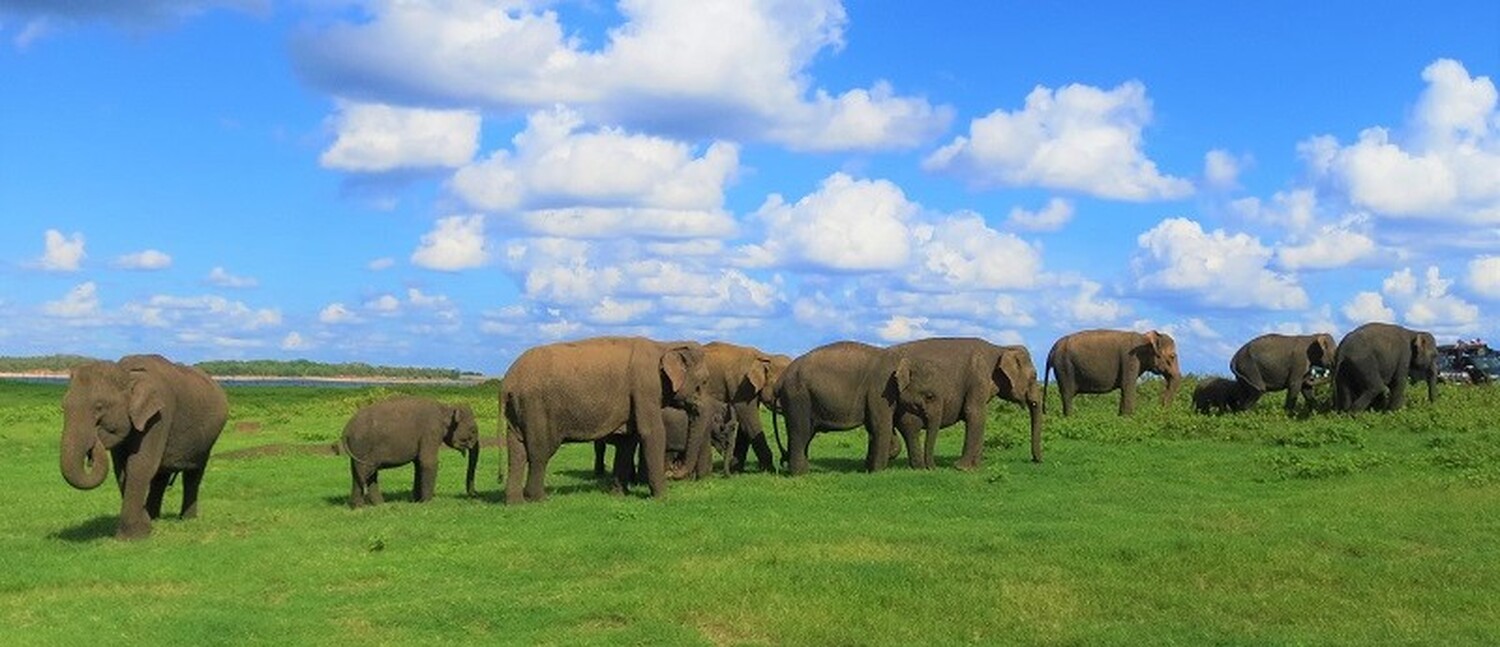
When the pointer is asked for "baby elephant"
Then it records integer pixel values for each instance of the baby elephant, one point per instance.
(1218, 395)
(403, 430)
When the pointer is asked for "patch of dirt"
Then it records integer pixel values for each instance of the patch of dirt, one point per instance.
(247, 427)
(281, 449)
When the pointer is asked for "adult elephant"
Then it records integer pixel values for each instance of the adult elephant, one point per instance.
(1374, 362)
(743, 377)
(848, 384)
(1100, 361)
(155, 419)
(401, 430)
(970, 371)
(1281, 362)
(584, 390)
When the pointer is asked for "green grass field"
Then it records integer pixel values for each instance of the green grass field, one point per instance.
(1168, 528)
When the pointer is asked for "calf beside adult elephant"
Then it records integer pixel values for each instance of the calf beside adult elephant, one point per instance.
(155, 419)
(969, 372)
(402, 430)
(848, 384)
(716, 425)
(1375, 361)
(1100, 361)
(585, 390)
(1281, 362)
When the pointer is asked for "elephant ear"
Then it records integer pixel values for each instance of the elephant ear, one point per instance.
(1153, 338)
(902, 375)
(146, 402)
(1007, 374)
(759, 374)
(1423, 348)
(455, 415)
(674, 365)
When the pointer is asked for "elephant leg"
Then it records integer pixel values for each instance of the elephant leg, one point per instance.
(156, 493)
(910, 429)
(973, 456)
(372, 487)
(655, 446)
(140, 470)
(929, 448)
(1365, 398)
(1127, 396)
(424, 476)
(1291, 399)
(516, 462)
(753, 436)
(1397, 397)
(538, 454)
(799, 433)
(191, 479)
(599, 447)
(741, 451)
(356, 486)
(1066, 390)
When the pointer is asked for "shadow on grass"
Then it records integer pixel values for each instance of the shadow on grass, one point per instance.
(100, 527)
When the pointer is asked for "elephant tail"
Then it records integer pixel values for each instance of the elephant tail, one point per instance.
(1046, 376)
(776, 431)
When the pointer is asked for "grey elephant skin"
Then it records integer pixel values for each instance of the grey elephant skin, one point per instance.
(970, 372)
(584, 390)
(153, 419)
(717, 423)
(1217, 395)
(744, 377)
(1100, 361)
(848, 384)
(406, 430)
(1282, 362)
(1374, 363)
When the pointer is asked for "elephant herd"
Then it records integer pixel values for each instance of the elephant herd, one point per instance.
(667, 405)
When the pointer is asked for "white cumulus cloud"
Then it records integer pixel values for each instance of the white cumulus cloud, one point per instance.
(375, 138)
(1078, 138)
(62, 253)
(337, 313)
(295, 341)
(455, 243)
(1444, 166)
(221, 277)
(1332, 246)
(150, 259)
(1484, 276)
(962, 252)
(1051, 217)
(80, 304)
(1218, 268)
(712, 68)
(847, 224)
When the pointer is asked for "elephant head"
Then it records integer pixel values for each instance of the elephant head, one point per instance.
(1424, 361)
(104, 404)
(913, 384)
(1161, 359)
(775, 366)
(684, 373)
(1015, 379)
(463, 435)
(1322, 350)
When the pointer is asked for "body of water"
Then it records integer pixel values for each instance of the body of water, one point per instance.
(274, 381)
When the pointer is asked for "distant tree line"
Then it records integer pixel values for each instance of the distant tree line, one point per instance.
(41, 364)
(266, 367)
(307, 368)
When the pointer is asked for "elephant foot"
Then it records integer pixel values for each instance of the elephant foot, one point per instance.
(133, 532)
(967, 466)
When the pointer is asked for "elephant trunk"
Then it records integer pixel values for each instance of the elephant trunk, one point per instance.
(1432, 381)
(1174, 380)
(1034, 403)
(84, 464)
(473, 467)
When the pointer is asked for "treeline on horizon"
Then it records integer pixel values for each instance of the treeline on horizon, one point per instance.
(253, 367)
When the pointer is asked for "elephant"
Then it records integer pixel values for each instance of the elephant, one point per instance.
(584, 390)
(1374, 362)
(970, 372)
(717, 422)
(1217, 395)
(401, 430)
(155, 418)
(1100, 361)
(1275, 362)
(744, 377)
(847, 384)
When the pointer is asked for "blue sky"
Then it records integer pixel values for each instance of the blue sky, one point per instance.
(448, 183)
